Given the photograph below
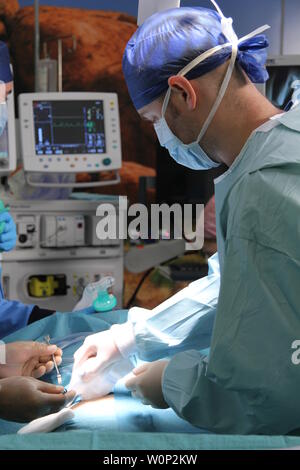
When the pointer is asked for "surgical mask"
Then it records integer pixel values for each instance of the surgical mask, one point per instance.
(3, 117)
(3, 108)
(192, 155)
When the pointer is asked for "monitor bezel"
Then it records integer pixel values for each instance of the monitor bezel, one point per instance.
(70, 163)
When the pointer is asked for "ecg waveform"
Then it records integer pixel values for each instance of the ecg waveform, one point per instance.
(69, 127)
(66, 124)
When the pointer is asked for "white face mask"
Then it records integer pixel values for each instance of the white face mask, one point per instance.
(3, 108)
(192, 155)
(3, 117)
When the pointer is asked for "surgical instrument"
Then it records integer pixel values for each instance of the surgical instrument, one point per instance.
(58, 375)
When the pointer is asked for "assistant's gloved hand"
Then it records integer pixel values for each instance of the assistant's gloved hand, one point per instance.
(146, 384)
(98, 352)
(8, 238)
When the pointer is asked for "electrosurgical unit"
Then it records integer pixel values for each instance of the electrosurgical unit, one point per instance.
(56, 258)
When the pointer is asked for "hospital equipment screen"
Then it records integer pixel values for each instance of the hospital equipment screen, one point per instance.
(70, 132)
(69, 127)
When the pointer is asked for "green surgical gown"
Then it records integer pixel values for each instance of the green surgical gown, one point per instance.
(249, 383)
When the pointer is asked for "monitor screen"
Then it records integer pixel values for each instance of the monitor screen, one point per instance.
(69, 127)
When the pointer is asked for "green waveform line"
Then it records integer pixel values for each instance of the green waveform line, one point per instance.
(61, 124)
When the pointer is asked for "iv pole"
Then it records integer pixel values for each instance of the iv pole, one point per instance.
(36, 87)
(36, 43)
(37, 50)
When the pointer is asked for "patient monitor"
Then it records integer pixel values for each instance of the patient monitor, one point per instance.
(70, 133)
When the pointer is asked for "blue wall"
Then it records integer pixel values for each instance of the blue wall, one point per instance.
(247, 15)
(129, 6)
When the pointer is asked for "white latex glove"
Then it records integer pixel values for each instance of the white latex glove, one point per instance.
(97, 353)
(146, 383)
(102, 383)
(101, 361)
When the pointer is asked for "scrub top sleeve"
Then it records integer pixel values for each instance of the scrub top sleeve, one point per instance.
(13, 316)
(183, 322)
(199, 400)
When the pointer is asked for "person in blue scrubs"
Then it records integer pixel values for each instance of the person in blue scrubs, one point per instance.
(13, 314)
(191, 77)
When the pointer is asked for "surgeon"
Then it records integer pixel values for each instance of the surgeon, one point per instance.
(194, 80)
(13, 315)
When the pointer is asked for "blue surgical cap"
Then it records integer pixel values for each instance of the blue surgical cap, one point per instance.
(170, 40)
(5, 70)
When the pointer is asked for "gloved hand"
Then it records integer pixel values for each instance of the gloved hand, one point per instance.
(29, 358)
(101, 384)
(98, 352)
(8, 238)
(146, 384)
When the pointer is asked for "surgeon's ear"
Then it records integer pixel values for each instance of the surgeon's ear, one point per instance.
(184, 88)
